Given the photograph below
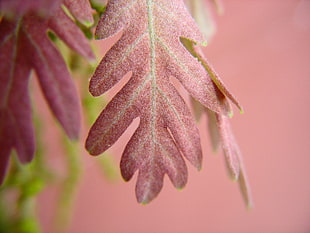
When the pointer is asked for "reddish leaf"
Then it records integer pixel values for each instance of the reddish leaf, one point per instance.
(81, 10)
(221, 133)
(66, 29)
(216, 79)
(24, 45)
(151, 49)
(13, 8)
(233, 157)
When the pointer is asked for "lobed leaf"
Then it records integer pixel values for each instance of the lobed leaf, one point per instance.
(24, 45)
(150, 48)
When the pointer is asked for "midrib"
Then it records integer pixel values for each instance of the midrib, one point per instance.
(152, 37)
(5, 100)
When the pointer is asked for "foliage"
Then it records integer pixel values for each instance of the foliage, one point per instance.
(152, 47)
(24, 37)
(159, 41)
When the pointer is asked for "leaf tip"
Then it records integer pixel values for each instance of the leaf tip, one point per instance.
(199, 167)
(249, 206)
(234, 178)
(143, 201)
(87, 23)
(204, 43)
(73, 133)
(234, 174)
(92, 150)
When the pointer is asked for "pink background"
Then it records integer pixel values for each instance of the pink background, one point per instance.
(262, 52)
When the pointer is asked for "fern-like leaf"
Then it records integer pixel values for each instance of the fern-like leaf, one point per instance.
(151, 49)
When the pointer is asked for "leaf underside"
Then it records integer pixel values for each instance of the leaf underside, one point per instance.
(150, 48)
(25, 46)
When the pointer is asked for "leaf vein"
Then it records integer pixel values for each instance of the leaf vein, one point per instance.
(174, 110)
(12, 69)
(181, 64)
(152, 37)
(123, 11)
(125, 55)
(121, 113)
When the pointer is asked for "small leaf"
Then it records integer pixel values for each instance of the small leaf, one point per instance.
(230, 147)
(234, 158)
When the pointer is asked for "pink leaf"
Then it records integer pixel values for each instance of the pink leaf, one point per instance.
(81, 10)
(221, 133)
(24, 45)
(55, 80)
(20, 7)
(69, 32)
(151, 49)
(15, 110)
(216, 79)
(234, 158)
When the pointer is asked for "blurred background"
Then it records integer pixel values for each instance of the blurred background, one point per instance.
(261, 50)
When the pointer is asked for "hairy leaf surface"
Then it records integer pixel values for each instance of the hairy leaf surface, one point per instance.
(150, 48)
(25, 46)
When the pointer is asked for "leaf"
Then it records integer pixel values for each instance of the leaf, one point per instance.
(12, 8)
(24, 45)
(81, 10)
(151, 50)
(202, 14)
(67, 30)
(221, 133)
(233, 158)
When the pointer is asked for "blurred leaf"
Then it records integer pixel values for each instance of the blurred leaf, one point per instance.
(24, 37)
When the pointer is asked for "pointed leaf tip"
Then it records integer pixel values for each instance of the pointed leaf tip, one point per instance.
(197, 51)
(88, 24)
